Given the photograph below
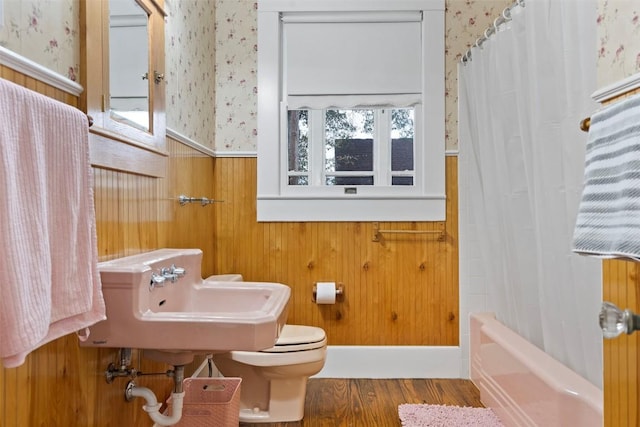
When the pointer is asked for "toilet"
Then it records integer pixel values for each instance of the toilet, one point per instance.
(274, 380)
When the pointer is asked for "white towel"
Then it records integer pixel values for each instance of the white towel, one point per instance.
(49, 281)
(608, 222)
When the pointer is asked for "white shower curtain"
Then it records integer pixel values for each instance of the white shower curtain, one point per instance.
(521, 164)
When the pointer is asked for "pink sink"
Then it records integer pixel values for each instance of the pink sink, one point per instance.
(174, 314)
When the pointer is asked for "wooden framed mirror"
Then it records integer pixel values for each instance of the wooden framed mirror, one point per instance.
(122, 71)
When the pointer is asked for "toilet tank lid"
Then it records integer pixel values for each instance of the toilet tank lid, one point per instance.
(298, 334)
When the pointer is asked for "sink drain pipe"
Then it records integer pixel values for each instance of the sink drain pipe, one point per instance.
(152, 407)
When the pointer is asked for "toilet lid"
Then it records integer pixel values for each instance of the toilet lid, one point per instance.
(298, 338)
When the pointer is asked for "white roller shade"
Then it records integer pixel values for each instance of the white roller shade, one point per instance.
(352, 58)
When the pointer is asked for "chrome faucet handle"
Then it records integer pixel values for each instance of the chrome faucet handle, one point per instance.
(172, 273)
(157, 280)
(168, 275)
(178, 271)
(171, 277)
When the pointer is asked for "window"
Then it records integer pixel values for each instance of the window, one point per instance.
(351, 110)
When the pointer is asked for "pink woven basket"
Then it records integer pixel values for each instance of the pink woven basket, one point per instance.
(210, 402)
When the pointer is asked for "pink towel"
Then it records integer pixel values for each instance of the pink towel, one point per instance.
(49, 281)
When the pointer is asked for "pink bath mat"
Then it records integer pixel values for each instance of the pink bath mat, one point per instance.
(421, 415)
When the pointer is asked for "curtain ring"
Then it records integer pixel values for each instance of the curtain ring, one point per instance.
(495, 24)
(486, 36)
(478, 42)
(506, 14)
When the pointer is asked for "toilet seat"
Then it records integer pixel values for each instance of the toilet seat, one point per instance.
(296, 345)
(295, 338)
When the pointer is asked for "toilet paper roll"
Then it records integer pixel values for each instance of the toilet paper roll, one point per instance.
(325, 293)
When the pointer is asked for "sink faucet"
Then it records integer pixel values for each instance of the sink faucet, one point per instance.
(171, 274)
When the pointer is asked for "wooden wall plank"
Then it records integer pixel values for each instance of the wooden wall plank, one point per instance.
(620, 355)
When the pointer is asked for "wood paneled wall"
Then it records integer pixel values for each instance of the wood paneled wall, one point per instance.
(61, 384)
(402, 290)
(191, 226)
(621, 286)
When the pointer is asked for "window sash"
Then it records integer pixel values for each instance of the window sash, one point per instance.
(382, 172)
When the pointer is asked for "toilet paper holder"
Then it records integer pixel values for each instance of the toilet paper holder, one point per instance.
(339, 292)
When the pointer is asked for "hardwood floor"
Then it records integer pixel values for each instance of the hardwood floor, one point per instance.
(366, 402)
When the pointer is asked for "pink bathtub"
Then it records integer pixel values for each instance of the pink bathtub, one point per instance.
(524, 385)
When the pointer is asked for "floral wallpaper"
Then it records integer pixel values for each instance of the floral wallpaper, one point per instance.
(190, 69)
(45, 31)
(236, 75)
(465, 22)
(618, 40)
(212, 52)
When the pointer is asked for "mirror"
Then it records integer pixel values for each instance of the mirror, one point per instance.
(129, 64)
(129, 123)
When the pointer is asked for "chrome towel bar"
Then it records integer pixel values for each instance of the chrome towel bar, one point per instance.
(204, 201)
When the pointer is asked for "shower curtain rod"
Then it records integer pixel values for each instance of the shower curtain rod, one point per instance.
(505, 16)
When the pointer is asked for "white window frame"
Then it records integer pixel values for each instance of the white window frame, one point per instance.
(278, 201)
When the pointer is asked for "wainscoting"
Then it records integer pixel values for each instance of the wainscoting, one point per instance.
(402, 290)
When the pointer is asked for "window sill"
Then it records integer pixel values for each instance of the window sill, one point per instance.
(345, 208)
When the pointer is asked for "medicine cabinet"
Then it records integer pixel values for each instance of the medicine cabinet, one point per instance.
(122, 72)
